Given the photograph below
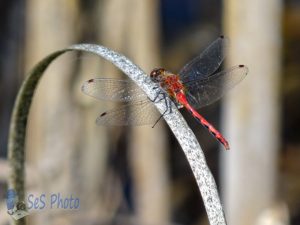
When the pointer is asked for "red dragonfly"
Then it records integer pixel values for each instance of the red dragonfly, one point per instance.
(195, 86)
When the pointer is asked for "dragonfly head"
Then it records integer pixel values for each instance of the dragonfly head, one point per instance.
(156, 75)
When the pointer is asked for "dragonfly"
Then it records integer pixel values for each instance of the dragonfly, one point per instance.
(196, 85)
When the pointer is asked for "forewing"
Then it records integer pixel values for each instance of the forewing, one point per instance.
(201, 93)
(113, 90)
(135, 114)
(207, 62)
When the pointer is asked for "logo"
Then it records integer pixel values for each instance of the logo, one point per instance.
(15, 208)
(53, 201)
(18, 209)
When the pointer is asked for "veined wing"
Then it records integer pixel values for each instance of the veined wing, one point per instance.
(113, 89)
(207, 62)
(135, 114)
(203, 92)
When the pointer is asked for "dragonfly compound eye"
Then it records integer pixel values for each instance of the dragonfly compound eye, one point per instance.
(156, 74)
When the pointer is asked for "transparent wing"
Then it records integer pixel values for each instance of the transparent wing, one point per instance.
(135, 114)
(113, 89)
(207, 62)
(206, 91)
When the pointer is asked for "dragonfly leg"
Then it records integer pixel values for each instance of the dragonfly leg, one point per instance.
(160, 96)
(168, 110)
(159, 118)
(168, 103)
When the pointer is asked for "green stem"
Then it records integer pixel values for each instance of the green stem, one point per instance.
(183, 133)
(17, 132)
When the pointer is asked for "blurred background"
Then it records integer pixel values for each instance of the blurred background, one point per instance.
(131, 175)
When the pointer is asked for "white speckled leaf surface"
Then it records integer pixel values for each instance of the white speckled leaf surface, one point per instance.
(178, 125)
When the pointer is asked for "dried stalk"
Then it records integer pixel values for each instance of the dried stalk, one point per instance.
(183, 133)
